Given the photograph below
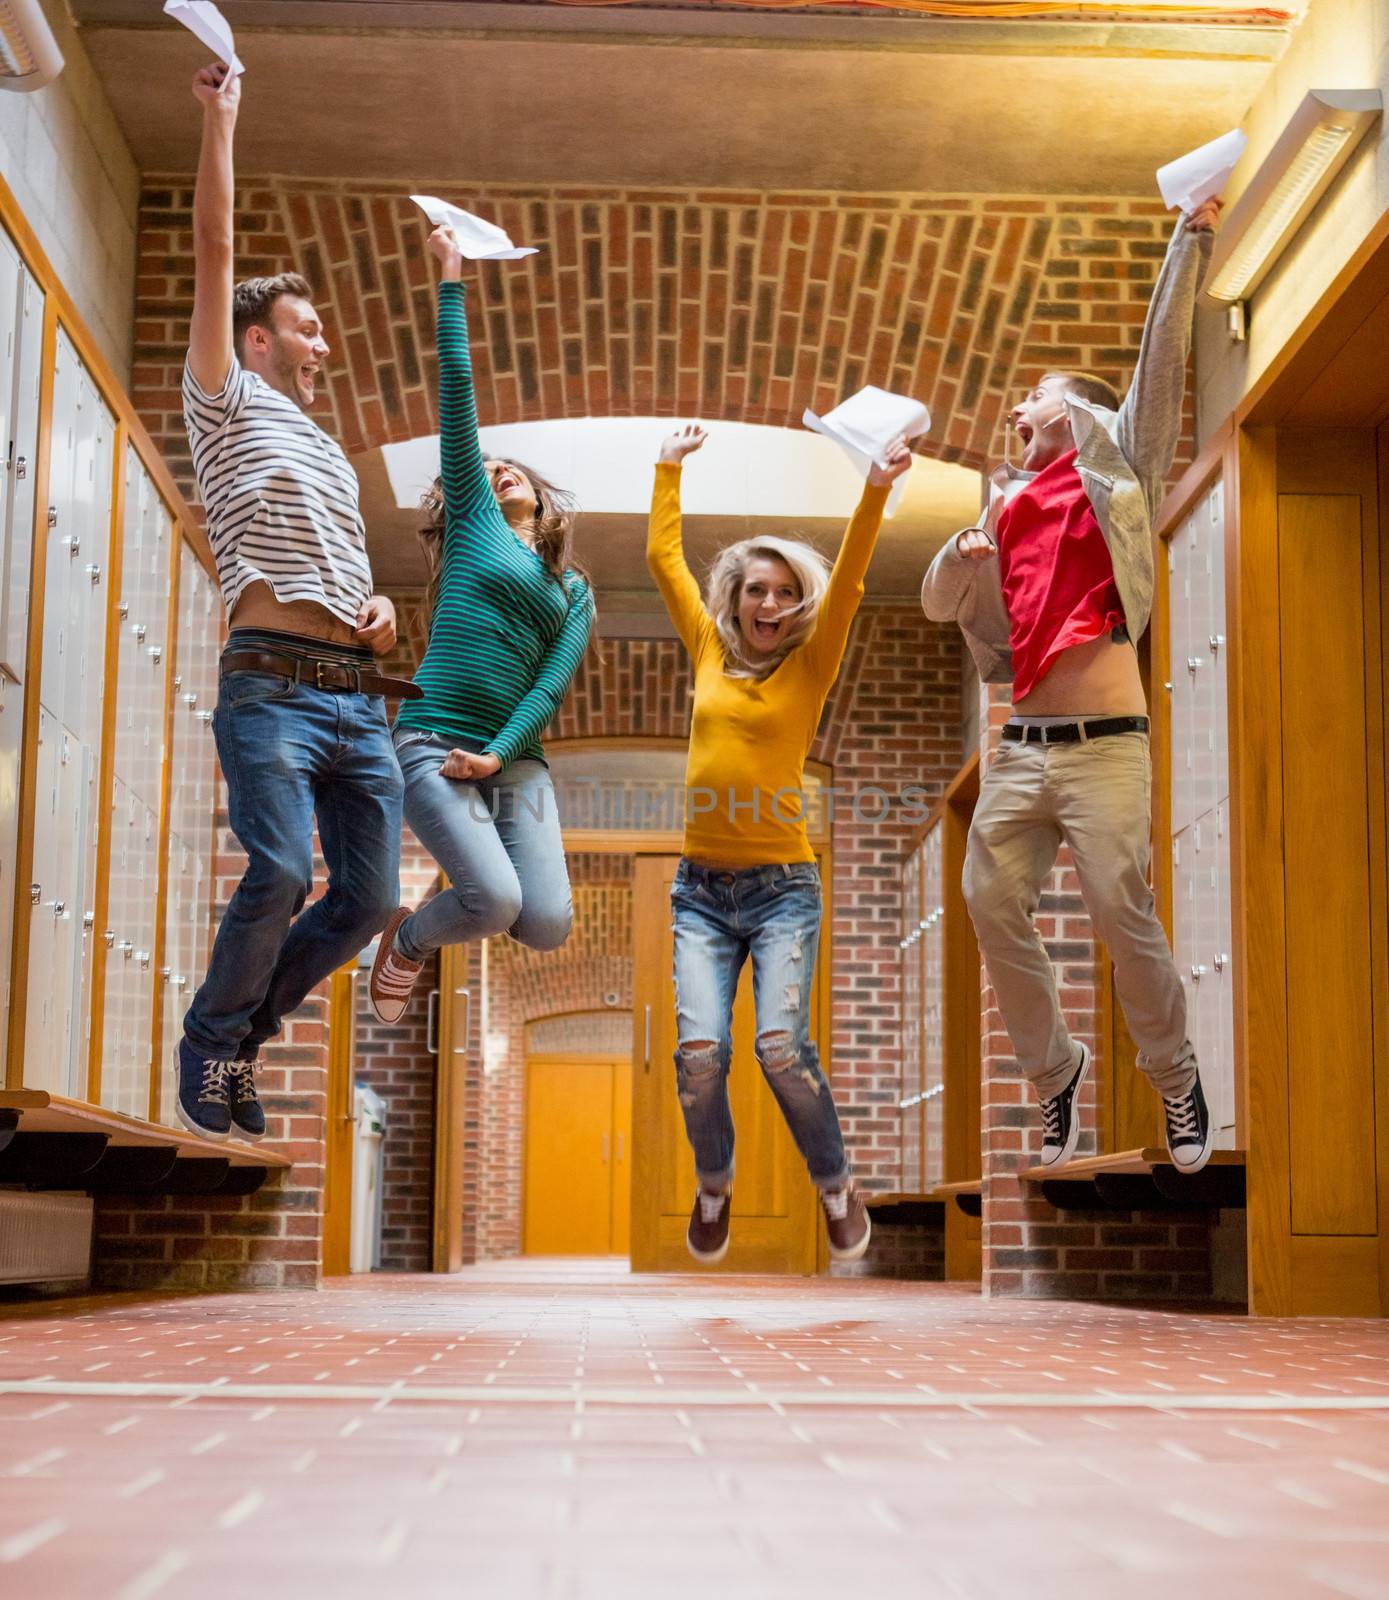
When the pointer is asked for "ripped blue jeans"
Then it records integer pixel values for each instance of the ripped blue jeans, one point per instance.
(720, 919)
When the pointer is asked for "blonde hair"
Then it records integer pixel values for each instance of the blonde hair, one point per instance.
(724, 591)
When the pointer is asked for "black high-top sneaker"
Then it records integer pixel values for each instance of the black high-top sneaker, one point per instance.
(1060, 1127)
(1189, 1129)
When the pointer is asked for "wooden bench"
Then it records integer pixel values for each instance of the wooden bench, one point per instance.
(926, 1205)
(50, 1142)
(1142, 1180)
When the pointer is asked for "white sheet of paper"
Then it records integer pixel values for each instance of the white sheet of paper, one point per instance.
(1201, 174)
(478, 240)
(207, 24)
(866, 423)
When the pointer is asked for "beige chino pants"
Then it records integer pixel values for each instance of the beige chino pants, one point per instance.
(1096, 798)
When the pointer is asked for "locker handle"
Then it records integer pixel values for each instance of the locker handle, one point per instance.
(21, 468)
(646, 1046)
(94, 572)
(1220, 961)
(140, 631)
(109, 937)
(123, 610)
(155, 652)
(431, 1024)
(1193, 663)
(59, 909)
(205, 716)
(1197, 973)
(605, 1149)
(52, 516)
(89, 919)
(73, 543)
(1215, 642)
(126, 948)
(35, 893)
(190, 700)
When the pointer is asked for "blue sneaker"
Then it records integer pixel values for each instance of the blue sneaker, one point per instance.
(247, 1113)
(203, 1104)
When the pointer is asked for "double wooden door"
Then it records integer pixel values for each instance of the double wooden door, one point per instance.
(578, 1155)
(774, 1226)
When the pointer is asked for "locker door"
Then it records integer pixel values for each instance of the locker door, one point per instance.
(1179, 564)
(933, 984)
(173, 976)
(48, 1035)
(911, 1023)
(1218, 681)
(1223, 987)
(85, 762)
(1200, 666)
(19, 397)
(11, 733)
(61, 523)
(1199, 971)
(89, 565)
(1183, 926)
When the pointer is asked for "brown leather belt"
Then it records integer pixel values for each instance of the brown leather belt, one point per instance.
(321, 674)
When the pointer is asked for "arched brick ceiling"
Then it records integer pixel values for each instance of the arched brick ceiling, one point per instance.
(675, 303)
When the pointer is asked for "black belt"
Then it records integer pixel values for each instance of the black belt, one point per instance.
(321, 673)
(1073, 732)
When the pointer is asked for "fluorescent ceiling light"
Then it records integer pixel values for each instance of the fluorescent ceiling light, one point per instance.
(29, 54)
(1298, 170)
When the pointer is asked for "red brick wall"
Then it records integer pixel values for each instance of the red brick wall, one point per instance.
(729, 305)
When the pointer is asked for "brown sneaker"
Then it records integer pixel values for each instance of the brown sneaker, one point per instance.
(707, 1239)
(846, 1221)
(392, 976)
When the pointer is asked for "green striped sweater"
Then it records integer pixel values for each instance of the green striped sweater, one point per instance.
(506, 637)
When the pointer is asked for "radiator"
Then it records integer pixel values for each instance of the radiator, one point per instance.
(44, 1237)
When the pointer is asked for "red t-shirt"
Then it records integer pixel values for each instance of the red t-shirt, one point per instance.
(1058, 578)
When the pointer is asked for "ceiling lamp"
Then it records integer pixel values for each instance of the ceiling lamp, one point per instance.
(1321, 137)
(29, 54)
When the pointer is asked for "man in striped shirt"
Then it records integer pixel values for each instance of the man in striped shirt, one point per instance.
(301, 722)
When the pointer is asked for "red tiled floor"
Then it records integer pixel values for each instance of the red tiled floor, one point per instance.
(564, 1430)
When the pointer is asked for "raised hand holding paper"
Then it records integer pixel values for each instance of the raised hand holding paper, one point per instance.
(478, 240)
(865, 424)
(1201, 174)
(207, 24)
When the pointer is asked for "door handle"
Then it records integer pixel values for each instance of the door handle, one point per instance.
(431, 1024)
(646, 1047)
(466, 996)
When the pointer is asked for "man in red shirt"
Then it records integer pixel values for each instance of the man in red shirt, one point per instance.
(1052, 589)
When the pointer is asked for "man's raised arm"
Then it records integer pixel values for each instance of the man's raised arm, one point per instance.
(210, 333)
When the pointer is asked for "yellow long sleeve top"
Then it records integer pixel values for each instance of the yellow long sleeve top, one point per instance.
(749, 737)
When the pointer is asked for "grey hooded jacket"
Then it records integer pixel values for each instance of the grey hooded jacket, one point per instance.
(1123, 458)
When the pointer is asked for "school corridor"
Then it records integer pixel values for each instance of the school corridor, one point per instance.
(564, 1430)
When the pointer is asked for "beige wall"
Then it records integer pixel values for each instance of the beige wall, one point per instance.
(72, 171)
(1342, 44)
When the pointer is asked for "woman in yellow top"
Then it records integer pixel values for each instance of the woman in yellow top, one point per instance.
(766, 646)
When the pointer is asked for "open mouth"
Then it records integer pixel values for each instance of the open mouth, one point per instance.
(506, 484)
(1024, 432)
(766, 632)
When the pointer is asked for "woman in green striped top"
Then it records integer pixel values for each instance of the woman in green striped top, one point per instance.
(509, 623)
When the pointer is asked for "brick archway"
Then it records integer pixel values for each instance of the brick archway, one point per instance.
(732, 306)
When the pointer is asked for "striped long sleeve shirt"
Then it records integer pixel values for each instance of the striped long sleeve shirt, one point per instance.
(506, 636)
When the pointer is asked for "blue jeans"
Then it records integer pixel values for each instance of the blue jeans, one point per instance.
(720, 919)
(291, 755)
(499, 844)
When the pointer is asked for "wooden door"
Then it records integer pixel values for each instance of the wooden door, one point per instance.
(342, 1056)
(453, 1022)
(774, 1204)
(577, 1165)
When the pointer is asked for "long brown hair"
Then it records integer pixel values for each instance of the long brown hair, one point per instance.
(552, 531)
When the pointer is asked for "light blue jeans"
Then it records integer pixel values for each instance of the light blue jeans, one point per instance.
(720, 919)
(499, 844)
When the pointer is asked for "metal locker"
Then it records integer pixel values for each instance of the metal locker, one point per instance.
(53, 914)
(173, 976)
(1184, 927)
(89, 563)
(910, 1098)
(19, 433)
(65, 428)
(11, 737)
(1181, 689)
(117, 1044)
(1218, 679)
(10, 336)
(86, 764)
(1222, 986)
(933, 988)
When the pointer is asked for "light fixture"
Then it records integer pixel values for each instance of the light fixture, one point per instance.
(1318, 141)
(29, 54)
